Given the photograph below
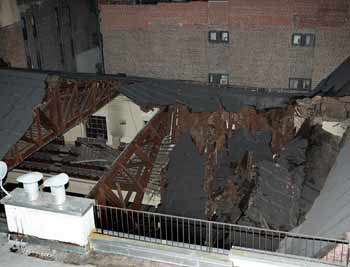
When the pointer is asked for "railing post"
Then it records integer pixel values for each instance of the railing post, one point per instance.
(210, 243)
(347, 254)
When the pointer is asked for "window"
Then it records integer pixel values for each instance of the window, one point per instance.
(303, 39)
(24, 28)
(218, 78)
(62, 53)
(57, 16)
(72, 47)
(32, 21)
(300, 84)
(69, 17)
(29, 62)
(225, 37)
(309, 39)
(38, 60)
(219, 36)
(213, 36)
(96, 127)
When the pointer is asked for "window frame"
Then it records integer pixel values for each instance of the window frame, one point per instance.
(219, 36)
(24, 28)
(62, 53)
(93, 130)
(216, 78)
(303, 37)
(303, 81)
(38, 60)
(58, 22)
(34, 28)
(209, 36)
(72, 47)
(222, 38)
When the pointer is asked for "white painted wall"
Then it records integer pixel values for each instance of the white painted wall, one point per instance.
(124, 120)
(70, 222)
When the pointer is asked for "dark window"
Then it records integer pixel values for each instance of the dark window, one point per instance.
(29, 62)
(62, 53)
(69, 17)
(96, 127)
(218, 78)
(38, 60)
(218, 36)
(32, 21)
(24, 28)
(300, 84)
(95, 39)
(57, 16)
(72, 47)
(303, 39)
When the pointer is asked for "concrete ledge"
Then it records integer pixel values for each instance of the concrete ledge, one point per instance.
(250, 257)
(157, 252)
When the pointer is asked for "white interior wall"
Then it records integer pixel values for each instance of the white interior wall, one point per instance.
(124, 120)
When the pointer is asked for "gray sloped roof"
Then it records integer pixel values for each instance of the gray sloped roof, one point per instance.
(19, 93)
(201, 97)
(337, 83)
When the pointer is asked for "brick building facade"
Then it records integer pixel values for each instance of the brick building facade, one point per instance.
(11, 39)
(171, 40)
(52, 35)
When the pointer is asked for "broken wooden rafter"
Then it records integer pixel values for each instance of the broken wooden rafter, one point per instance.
(144, 147)
(66, 104)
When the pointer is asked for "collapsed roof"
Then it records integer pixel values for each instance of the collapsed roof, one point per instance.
(252, 148)
(23, 90)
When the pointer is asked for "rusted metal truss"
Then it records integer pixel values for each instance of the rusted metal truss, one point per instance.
(66, 104)
(131, 170)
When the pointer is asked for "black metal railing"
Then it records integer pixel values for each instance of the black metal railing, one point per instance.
(215, 237)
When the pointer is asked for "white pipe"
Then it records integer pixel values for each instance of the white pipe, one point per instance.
(60, 194)
(4, 190)
(32, 189)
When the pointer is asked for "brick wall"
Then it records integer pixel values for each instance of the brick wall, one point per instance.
(47, 42)
(170, 40)
(12, 45)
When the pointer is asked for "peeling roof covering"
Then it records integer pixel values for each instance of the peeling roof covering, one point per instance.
(329, 216)
(185, 195)
(19, 93)
(337, 83)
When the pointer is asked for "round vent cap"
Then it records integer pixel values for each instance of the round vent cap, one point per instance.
(30, 178)
(57, 180)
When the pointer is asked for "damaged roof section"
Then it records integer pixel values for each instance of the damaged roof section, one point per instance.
(87, 158)
(20, 92)
(185, 195)
(258, 170)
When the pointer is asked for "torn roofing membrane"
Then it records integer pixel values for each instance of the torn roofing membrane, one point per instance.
(185, 195)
